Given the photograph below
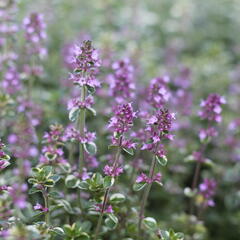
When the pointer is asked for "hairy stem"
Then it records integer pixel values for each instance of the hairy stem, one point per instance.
(145, 197)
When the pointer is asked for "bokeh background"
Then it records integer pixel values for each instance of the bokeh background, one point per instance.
(200, 39)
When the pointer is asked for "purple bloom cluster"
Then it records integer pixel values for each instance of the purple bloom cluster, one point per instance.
(41, 208)
(7, 25)
(86, 63)
(53, 151)
(123, 118)
(18, 194)
(77, 103)
(72, 134)
(207, 190)
(158, 93)
(211, 107)
(157, 128)
(11, 81)
(121, 81)
(3, 157)
(108, 209)
(207, 133)
(35, 33)
(112, 171)
(143, 178)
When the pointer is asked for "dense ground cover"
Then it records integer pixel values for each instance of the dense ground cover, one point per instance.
(119, 119)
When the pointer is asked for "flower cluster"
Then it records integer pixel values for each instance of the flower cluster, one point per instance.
(53, 151)
(121, 81)
(211, 107)
(35, 33)
(207, 190)
(39, 207)
(18, 194)
(11, 81)
(112, 171)
(55, 135)
(208, 133)
(72, 134)
(78, 103)
(157, 128)
(123, 118)
(86, 63)
(108, 209)
(158, 93)
(143, 178)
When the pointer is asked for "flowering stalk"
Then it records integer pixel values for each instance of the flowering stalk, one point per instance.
(158, 127)
(211, 111)
(119, 124)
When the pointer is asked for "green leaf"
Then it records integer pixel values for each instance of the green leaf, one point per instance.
(5, 157)
(47, 170)
(92, 110)
(90, 89)
(90, 148)
(108, 182)
(83, 185)
(49, 183)
(66, 205)
(58, 231)
(55, 178)
(73, 114)
(150, 223)
(162, 160)
(117, 198)
(55, 195)
(33, 190)
(71, 181)
(129, 151)
(32, 180)
(139, 186)
(113, 218)
(111, 221)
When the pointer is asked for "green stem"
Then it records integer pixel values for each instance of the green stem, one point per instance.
(105, 199)
(145, 196)
(46, 205)
(81, 127)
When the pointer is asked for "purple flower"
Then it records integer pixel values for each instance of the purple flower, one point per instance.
(35, 34)
(72, 134)
(55, 135)
(121, 81)
(86, 63)
(77, 103)
(211, 107)
(18, 193)
(207, 190)
(122, 121)
(112, 171)
(38, 206)
(145, 179)
(207, 133)
(108, 209)
(11, 81)
(158, 93)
